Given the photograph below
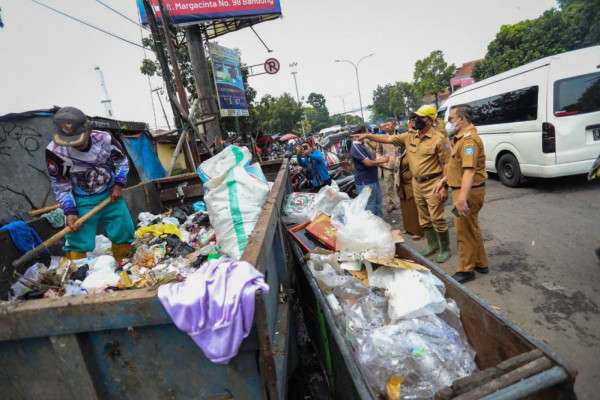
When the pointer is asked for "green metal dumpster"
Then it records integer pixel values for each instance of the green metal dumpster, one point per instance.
(122, 345)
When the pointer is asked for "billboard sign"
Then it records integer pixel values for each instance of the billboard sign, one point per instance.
(228, 81)
(186, 12)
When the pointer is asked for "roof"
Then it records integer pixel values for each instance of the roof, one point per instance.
(97, 122)
(466, 69)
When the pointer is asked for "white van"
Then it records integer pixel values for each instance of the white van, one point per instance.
(541, 119)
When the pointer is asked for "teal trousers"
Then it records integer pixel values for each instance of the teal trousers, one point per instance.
(115, 217)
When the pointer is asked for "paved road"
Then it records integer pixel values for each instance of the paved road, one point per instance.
(544, 273)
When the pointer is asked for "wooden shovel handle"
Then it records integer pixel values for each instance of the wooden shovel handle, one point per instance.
(40, 211)
(33, 253)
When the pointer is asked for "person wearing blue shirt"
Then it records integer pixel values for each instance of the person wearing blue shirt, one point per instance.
(316, 167)
(366, 174)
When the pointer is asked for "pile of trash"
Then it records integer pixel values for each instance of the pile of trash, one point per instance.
(407, 337)
(167, 248)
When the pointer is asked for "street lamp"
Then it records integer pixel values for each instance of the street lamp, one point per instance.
(294, 73)
(355, 65)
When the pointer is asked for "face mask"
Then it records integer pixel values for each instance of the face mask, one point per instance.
(451, 128)
(419, 124)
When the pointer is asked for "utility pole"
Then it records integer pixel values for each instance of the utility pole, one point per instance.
(355, 65)
(294, 73)
(189, 149)
(204, 84)
(342, 97)
(162, 107)
(107, 102)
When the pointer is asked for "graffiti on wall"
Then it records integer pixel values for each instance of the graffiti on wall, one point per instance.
(13, 136)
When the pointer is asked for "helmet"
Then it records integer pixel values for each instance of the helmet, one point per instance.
(428, 111)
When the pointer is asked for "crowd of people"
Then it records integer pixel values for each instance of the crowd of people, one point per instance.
(418, 168)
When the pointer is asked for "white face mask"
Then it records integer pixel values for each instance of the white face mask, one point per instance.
(451, 128)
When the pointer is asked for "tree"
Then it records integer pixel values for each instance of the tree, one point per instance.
(317, 114)
(432, 74)
(574, 26)
(317, 101)
(278, 114)
(394, 100)
(345, 119)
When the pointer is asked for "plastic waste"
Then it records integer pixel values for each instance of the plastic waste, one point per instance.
(327, 199)
(170, 221)
(426, 352)
(413, 294)
(159, 230)
(74, 289)
(33, 275)
(298, 207)
(144, 257)
(101, 275)
(199, 206)
(103, 246)
(358, 230)
(80, 273)
(146, 218)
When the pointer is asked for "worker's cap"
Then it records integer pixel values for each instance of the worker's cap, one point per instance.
(427, 111)
(72, 125)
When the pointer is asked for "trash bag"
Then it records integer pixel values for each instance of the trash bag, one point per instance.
(327, 199)
(229, 157)
(102, 247)
(358, 230)
(298, 207)
(159, 230)
(414, 294)
(101, 275)
(425, 352)
(234, 202)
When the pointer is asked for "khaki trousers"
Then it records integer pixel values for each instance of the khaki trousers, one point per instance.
(431, 210)
(471, 252)
(410, 215)
(388, 188)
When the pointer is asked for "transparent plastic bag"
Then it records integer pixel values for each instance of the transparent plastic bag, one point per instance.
(358, 230)
(426, 352)
(364, 315)
(414, 294)
(327, 199)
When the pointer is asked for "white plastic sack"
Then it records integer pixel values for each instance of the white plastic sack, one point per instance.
(229, 157)
(298, 207)
(234, 202)
(359, 230)
(414, 294)
(101, 275)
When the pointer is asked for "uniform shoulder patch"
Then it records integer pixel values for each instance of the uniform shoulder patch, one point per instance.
(469, 150)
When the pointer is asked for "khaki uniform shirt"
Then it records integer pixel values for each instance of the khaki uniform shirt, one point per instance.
(386, 149)
(426, 155)
(467, 152)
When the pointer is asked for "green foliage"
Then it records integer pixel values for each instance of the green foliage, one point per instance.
(574, 26)
(345, 119)
(278, 114)
(317, 114)
(394, 100)
(432, 74)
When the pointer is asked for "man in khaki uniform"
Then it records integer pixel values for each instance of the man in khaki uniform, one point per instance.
(466, 176)
(427, 152)
(388, 187)
(403, 183)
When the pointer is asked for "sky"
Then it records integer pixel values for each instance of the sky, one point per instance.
(47, 59)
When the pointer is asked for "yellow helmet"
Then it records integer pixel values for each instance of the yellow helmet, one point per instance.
(428, 111)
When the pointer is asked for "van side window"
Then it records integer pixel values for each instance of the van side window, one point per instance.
(578, 95)
(516, 106)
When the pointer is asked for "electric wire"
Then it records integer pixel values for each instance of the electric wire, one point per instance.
(121, 14)
(87, 24)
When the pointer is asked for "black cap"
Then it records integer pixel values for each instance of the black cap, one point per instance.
(72, 127)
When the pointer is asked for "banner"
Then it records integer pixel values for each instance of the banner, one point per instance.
(228, 81)
(185, 12)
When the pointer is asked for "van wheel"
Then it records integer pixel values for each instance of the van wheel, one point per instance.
(509, 170)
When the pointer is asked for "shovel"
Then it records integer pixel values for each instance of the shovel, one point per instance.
(35, 252)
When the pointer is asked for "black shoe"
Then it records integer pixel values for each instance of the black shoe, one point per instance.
(482, 270)
(464, 277)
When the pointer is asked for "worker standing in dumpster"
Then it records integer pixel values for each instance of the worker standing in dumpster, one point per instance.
(466, 176)
(85, 167)
(427, 152)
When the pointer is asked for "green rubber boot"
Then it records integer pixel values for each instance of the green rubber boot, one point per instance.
(432, 242)
(444, 254)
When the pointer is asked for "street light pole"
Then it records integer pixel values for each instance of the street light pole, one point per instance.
(355, 65)
(292, 65)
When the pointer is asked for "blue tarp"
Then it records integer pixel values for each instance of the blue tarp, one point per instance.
(144, 157)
